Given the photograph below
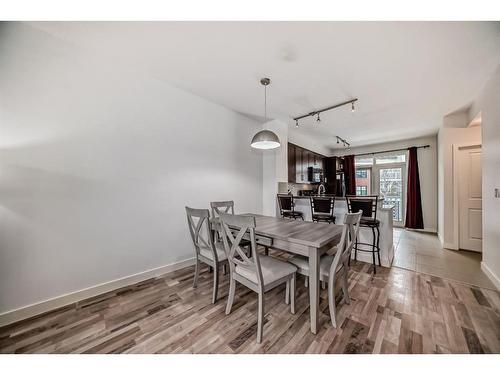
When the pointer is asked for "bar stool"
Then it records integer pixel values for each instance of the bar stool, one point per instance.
(287, 207)
(322, 209)
(368, 205)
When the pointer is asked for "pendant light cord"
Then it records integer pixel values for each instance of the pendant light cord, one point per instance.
(265, 103)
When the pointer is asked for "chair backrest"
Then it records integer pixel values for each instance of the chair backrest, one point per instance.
(285, 202)
(240, 225)
(366, 203)
(222, 207)
(323, 205)
(349, 234)
(201, 231)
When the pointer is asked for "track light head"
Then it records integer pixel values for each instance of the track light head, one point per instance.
(352, 107)
(318, 119)
(297, 124)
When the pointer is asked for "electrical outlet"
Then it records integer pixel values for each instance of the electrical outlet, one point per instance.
(497, 193)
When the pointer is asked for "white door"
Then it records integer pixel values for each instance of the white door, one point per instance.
(470, 207)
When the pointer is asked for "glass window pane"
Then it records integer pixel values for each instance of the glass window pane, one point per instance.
(391, 188)
(363, 161)
(387, 159)
(363, 181)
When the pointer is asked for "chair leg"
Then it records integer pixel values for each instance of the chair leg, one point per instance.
(323, 285)
(196, 273)
(306, 281)
(266, 251)
(224, 269)
(356, 249)
(216, 283)
(287, 293)
(373, 252)
(210, 269)
(331, 301)
(293, 283)
(260, 317)
(345, 286)
(378, 247)
(230, 297)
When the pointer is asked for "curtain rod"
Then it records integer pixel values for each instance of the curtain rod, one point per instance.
(383, 152)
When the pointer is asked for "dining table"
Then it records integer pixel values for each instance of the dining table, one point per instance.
(299, 237)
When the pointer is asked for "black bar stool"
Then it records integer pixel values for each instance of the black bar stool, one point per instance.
(322, 209)
(287, 207)
(368, 205)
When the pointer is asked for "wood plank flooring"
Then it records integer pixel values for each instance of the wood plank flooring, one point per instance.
(397, 311)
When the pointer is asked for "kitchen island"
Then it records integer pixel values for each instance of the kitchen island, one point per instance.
(384, 214)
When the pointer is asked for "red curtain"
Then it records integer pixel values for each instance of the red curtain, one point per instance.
(350, 175)
(414, 217)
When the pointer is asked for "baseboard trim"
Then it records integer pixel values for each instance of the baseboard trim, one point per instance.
(440, 238)
(38, 308)
(491, 275)
(449, 246)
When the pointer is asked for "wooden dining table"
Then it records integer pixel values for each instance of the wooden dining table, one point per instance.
(302, 238)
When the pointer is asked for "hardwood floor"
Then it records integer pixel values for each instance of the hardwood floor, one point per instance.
(397, 311)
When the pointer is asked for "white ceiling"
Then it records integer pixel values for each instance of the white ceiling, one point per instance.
(407, 75)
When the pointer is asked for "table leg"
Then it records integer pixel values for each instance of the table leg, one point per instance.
(314, 288)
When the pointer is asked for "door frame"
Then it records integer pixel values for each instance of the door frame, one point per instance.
(456, 203)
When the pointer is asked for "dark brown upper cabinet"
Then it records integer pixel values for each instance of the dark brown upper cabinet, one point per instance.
(299, 159)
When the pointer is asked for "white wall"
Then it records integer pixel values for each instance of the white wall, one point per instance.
(275, 167)
(488, 104)
(97, 163)
(427, 166)
(450, 134)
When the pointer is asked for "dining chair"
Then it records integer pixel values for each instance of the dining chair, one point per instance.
(287, 207)
(336, 265)
(207, 250)
(259, 273)
(226, 207)
(322, 209)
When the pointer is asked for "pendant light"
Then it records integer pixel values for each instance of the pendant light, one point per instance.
(265, 139)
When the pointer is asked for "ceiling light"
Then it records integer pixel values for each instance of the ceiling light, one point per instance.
(318, 119)
(265, 139)
(352, 107)
(297, 124)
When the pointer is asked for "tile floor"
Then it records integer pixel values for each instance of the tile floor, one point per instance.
(422, 252)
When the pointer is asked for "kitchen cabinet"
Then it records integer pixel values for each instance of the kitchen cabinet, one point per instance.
(299, 160)
(292, 172)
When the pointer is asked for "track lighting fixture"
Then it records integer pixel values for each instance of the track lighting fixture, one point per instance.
(314, 113)
(297, 124)
(343, 141)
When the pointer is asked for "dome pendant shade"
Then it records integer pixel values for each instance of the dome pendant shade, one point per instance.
(265, 140)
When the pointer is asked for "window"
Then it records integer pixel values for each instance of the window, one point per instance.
(361, 190)
(363, 161)
(361, 173)
(363, 181)
(383, 175)
(400, 158)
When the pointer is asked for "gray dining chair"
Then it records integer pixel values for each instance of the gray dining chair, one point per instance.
(259, 273)
(336, 265)
(224, 207)
(207, 250)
